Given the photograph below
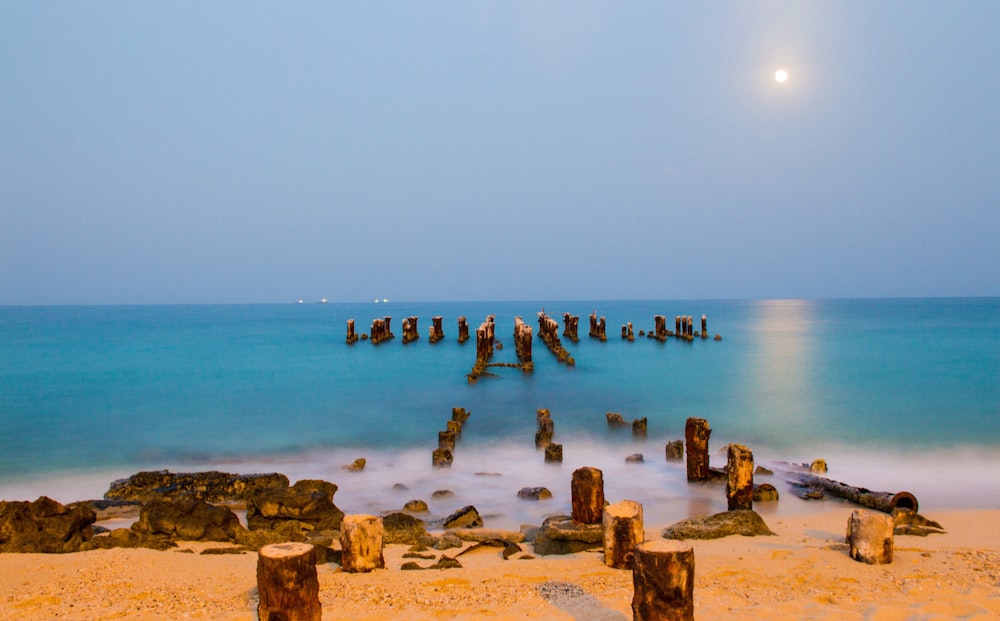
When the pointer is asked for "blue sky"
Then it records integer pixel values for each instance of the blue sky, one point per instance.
(256, 152)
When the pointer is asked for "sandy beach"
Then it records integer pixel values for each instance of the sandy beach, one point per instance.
(802, 573)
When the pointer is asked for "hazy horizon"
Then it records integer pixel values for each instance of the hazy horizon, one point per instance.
(457, 151)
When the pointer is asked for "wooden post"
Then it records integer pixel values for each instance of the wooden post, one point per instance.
(463, 330)
(739, 478)
(442, 457)
(571, 324)
(437, 331)
(677, 325)
(410, 332)
(287, 584)
(696, 434)
(553, 454)
(352, 338)
(690, 327)
(663, 581)
(704, 326)
(639, 427)
(587, 489)
(361, 543)
(675, 450)
(870, 535)
(446, 440)
(546, 429)
(623, 530)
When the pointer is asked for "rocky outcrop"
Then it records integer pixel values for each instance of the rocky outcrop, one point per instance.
(44, 526)
(187, 519)
(213, 486)
(746, 523)
(296, 510)
(561, 535)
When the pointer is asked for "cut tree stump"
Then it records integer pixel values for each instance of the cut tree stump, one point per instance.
(870, 535)
(623, 530)
(287, 583)
(663, 581)
(361, 543)
(587, 492)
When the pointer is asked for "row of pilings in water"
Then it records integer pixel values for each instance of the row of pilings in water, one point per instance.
(548, 331)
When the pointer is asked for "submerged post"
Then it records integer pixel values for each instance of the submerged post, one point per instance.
(463, 330)
(739, 478)
(352, 338)
(696, 434)
(437, 331)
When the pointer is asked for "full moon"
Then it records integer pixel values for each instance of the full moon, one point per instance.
(780, 76)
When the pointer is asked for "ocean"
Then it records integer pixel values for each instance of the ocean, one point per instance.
(894, 393)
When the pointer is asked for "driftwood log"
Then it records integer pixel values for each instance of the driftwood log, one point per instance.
(287, 583)
(663, 581)
(880, 501)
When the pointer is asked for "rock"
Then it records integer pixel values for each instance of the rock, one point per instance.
(466, 517)
(718, 337)
(446, 562)
(442, 458)
(818, 465)
(357, 466)
(561, 535)
(447, 542)
(410, 566)
(128, 538)
(442, 493)
(762, 471)
(44, 526)
(109, 509)
(813, 494)
(305, 506)
(634, 458)
(675, 450)
(765, 492)
(213, 486)
(187, 519)
(509, 547)
(746, 523)
(399, 487)
(534, 493)
(615, 420)
(402, 528)
(909, 522)
(484, 534)
(416, 506)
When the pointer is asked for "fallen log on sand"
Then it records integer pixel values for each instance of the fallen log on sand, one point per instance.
(880, 501)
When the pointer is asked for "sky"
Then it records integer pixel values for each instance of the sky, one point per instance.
(232, 152)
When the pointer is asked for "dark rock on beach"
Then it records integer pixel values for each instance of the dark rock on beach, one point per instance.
(466, 517)
(765, 492)
(44, 526)
(746, 523)
(416, 506)
(187, 519)
(534, 493)
(305, 506)
(561, 535)
(212, 486)
(403, 528)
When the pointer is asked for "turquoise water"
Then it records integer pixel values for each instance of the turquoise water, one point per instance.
(93, 393)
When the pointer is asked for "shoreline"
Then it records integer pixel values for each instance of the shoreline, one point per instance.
(802, 572)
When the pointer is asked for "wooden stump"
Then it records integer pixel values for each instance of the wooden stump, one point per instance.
(696, 434)
(663, 581)
(870, 535)
(553, 454)
(739, 478)
(675, 450)
(442, 457)
(587, 489)
(623, 530)
(446, 440)
(361, 543)
(287, 583)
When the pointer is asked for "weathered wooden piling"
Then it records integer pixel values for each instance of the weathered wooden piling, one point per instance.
(446, 440)
(463, 329)
(484, 348)
(739, 478)
(690, 327)
(571, 326)
(352, 338)
(546, 428)
(674, 450)
(623, 530)
(587, 491)
(627, 332)
(522, 343)
(663, 581)
(287, 584)
(554, 454)
(677, 325)
(639, 427)
(598, 327)
(704, 326)
(460, 414)
(410, 332)
(696, 434)
(455, 426)
(548, 331)
(437, 330)
(870, 535)
(361, 543)
(660, 329)
(442, 458)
